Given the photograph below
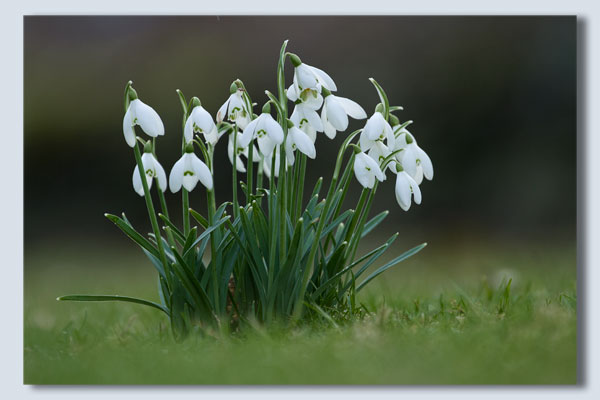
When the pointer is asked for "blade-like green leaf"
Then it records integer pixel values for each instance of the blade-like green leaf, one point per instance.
(133, 234)
(86, 297)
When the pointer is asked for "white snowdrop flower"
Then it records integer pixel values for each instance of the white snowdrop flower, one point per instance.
(336, 111)
(405, 187)
(234, 109)
(377, 128)
(188, 170)
(240, 151)
(139, 113)
(297, 139)
(367, 170)
(306, 118)
(414, 159)
(309, 77)
(267, 131)
(200, 121)
(152, 169)
(267, 164)
(379, 152)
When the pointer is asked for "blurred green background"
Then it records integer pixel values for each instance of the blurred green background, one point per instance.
(493, 100)
(494, 105)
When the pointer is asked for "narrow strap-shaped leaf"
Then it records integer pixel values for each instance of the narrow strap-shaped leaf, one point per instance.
(86, 297)
(198, 217)
(336, 222)
(156, 262)
(390, 264)
(178, 234)
(382, 97)
(373, 222)
(206, 233)
(133, 234)
(190, 239)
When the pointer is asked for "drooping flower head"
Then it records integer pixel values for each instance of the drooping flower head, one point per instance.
(200, 121)
(406, 187)
(376, 128)
(188, 170)
(308, 78)
(297, 139)
(235, 109)
(139, 113)
(336, 111)
(266, 130)
(366, 169)
(414, 160)
(152, 169)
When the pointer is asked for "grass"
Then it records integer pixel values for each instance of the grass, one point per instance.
(448, 316)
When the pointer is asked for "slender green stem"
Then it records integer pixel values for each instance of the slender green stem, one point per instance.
(150, 207)
(300, 187)
(212, 209)
(234, 172)
(185, 204)
(165, 211)
(250, 173)
(355, 239)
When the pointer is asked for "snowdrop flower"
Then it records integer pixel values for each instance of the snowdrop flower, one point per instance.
(299, 118)
(336, 111)
(267, 164)
(308, 77)
(405, 187)
(240, 150)
(152, 169)
(267, 131)
(379, 152)
(234, 109)
(414, 160)
(297, 139)
(376, 128)
(366, 169)
(139, 113)
(200, 121)
(188, 170)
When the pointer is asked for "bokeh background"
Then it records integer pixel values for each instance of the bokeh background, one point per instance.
(493, 100)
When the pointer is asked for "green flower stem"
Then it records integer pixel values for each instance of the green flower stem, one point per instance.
(259, 178)
(185, 204)
(212, 209)
(273, 223)
(299, 188)
(234, 173)
(355, 239)
(163, 203)
(250, 173)
(150, 207)
(282, 160)
(313, 251)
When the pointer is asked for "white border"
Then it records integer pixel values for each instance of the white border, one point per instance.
(11, 165)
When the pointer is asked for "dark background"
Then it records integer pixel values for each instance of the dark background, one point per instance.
(493, 100)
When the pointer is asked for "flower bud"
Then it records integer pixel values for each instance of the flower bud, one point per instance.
(266, 108)
(290, 124)
(295, 60)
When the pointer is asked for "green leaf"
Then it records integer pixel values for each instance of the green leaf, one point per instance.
(383, 97)
(85, 297)
(206, 233)
(390, 264)
(178, 234)
(133, 234)
(376, 220)
(198, 217)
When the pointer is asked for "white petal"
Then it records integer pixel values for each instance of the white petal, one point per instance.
(363, 175)
(426, 164)
(161, 176)
(202, 119)
(327, 127)
(375, 126)
(303, 142)
(188, 130)
(202, 172)
(403, 190)
(128, 130)
(266, 145)
(274, 130)
(324, 78)
(409, 160)
(311, 99)
(248, 134)
(419, 175)
(147, 118)
(352, 108)
(289, 150)
(374, 166)
(222, 113)
(313, 119)
(416, 191)
(364, 141)
(336, 115)
(306, 77)
(137, 182)
(291, 93)
(176, 175)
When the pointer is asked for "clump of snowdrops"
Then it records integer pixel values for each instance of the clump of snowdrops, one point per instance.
(267, 255)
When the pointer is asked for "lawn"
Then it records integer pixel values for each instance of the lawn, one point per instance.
(447, 316)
